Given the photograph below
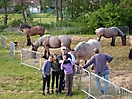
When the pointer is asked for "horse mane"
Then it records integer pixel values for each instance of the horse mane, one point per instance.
(38, 42)
(119, 31)
(24, 26)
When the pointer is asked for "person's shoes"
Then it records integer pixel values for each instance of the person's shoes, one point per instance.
(48, 93)
(52, 91)
(43, 93)
(102, 91)
(70, 94)
(66, 94)
(56, 91)
(59, 91)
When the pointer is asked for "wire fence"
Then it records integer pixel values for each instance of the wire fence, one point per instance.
(125, 93)
(86, 81)
(31, 58)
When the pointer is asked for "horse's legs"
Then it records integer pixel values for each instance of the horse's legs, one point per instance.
(99, 38)
(28, 40)
(48, 53)
(45, 53)
(113, 41)
(45, 56)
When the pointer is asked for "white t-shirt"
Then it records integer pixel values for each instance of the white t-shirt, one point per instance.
(73, 57)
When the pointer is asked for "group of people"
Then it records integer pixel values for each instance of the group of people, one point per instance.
(63, 66)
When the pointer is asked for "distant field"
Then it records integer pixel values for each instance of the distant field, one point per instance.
(43, 18)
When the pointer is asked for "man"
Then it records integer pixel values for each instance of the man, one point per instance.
(99, 61)
(72, 53)
(60, 59)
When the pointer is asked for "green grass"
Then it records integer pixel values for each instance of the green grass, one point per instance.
(22, 82)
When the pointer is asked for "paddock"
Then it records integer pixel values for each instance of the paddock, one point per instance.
(118, 72)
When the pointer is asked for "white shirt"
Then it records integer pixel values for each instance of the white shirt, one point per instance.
(73, 57)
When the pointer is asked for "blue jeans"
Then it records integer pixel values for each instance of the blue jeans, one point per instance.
(106, 76)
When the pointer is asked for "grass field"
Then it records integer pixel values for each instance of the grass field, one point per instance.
(22, 82)
(42, 18)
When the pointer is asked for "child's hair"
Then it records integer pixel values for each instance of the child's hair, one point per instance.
(50, 55)
(54, 54)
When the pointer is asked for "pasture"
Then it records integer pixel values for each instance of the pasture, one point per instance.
(22, 82)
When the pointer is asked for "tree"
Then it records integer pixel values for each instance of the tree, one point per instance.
(5, 4)
(24, 5)
(57, 13)
(61, 13)
(107, 16)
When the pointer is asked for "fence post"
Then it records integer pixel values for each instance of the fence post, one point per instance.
(3, 41)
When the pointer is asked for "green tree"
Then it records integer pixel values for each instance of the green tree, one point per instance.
(5, 4)
(109, 15)
(23, 4)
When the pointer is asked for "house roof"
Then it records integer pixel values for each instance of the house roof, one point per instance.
(35, 2)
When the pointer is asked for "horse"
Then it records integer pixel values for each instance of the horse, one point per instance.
(130, 53)
(111, 32)
(84, 50)
(48, 41)
(31, 31)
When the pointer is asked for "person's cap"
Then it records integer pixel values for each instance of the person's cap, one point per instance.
(63, 48)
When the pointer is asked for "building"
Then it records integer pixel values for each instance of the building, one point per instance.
(34, 5)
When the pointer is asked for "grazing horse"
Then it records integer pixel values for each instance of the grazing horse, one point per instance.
(130, 53)
(111, 32)
(84, 50)
(48, 41)
(31, 31)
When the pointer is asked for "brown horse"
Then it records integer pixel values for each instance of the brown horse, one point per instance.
(31, 31)
(84, 50)
(48, 41)
(112, 32)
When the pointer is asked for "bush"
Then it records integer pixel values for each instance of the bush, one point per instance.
(16, 22)
(2, 28)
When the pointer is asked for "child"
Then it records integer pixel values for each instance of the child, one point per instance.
(46, 74)
(55, 72)
(67, 66)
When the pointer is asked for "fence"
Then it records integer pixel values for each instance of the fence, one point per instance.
(125, 94)
(82, 81)
(12, 48)
(3, 38)
(112, 88)
(86, 81)
(31, 58)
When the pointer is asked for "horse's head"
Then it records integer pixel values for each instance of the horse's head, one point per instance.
(23, 26)
(34, 48)
(124, 40)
